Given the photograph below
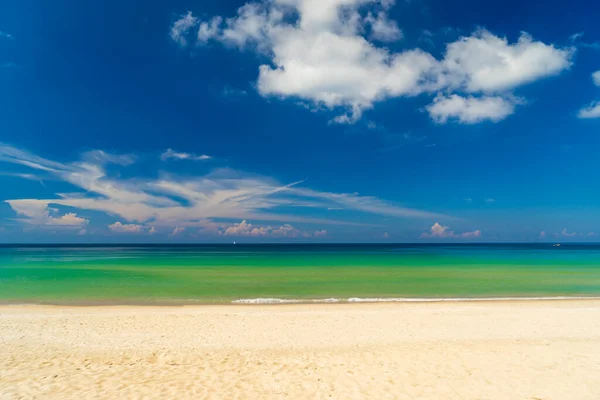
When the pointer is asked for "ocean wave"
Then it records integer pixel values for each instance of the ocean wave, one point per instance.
(285, 301)
(404, 300)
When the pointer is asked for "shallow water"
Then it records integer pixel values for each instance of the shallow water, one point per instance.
(282, 273)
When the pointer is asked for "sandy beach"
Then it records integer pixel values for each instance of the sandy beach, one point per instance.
(470, 350)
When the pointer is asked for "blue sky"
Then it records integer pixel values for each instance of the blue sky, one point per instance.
(299, 120)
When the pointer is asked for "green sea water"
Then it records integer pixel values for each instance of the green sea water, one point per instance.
(276, 273)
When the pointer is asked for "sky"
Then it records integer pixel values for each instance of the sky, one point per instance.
(299, 121)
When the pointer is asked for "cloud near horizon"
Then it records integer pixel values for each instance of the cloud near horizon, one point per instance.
(206, 202)
(444, 232)
(327, 54)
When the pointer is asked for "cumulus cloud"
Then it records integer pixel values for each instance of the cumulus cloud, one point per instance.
(247, 229)
(470, 110)
(382, 28)
(320, 52)
(126, 228)
(484, 62)
(174, 155)
(596, 78)
(591, 111)
(440, 231)
(70, 219)
(37, 213)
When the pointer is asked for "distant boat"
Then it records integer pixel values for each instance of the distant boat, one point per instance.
(557, 245)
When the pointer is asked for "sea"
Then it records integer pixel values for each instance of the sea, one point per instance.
(295, 273)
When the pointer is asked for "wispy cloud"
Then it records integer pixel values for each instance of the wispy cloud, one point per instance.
(182, 27)
(576, 40)
(172, 201)
(444, 232)
(175, 155)
(230, 91)
(6, 35)
(178, 230)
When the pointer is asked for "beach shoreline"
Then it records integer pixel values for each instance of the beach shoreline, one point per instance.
(288, 302)
(544, 349)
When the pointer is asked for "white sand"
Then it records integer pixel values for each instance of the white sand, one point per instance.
(506, 350)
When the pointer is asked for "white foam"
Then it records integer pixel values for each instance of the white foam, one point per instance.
(403, 300)
(284, 301)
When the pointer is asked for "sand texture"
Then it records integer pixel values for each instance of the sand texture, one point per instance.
(476, 350)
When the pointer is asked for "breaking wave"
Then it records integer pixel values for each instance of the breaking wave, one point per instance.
(402, 300)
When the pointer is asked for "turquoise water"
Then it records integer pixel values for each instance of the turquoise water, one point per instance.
(226, 273)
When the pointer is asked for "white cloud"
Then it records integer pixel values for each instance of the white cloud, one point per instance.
(174, 155)
(177, 231)
(286, 230)
(470, 110)
(6, 35)
(245, 228)
(490, 201)
(182, 27)
(591, 111)
(319, 52)
(126, 228)
(596, 78)
(568, 234)
(170, 201)
(103, 158)
(487, 63)
(209, 29)
(382, 28)
(38, 213)
(440, 231)
(152, 231)
(70, 219)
